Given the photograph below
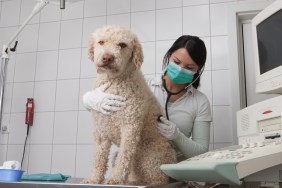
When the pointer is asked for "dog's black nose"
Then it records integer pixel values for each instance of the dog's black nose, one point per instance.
(107, 58)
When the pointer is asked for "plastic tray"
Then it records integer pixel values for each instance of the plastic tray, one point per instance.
(10, 175)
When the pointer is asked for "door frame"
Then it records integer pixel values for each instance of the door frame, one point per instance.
(237, 14)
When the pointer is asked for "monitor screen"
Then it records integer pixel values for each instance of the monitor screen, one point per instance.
(267, 45)
(269, 38)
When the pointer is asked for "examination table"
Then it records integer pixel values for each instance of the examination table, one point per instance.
(75, 183)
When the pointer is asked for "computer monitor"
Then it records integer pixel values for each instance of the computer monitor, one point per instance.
(267, 42)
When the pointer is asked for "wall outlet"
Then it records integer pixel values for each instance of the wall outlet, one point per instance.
(4, 129)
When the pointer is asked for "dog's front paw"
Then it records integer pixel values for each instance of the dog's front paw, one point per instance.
(90, 181)
(112, 181)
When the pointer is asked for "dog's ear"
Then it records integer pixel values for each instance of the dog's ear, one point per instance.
(91, 48)
(137, 53)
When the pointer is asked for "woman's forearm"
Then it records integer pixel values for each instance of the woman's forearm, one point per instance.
(198, 144)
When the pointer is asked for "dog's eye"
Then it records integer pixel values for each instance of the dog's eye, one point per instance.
(122, 45)
(101, 42)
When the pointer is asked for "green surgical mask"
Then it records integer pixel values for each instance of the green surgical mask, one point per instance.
(179, 75)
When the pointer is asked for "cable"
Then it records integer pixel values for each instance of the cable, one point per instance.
(25, 145)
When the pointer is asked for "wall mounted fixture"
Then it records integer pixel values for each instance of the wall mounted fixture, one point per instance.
(6, 49)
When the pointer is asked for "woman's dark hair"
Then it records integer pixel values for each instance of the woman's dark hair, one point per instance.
(196, 49)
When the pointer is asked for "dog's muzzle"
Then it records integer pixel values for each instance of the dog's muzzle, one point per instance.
(107, 59)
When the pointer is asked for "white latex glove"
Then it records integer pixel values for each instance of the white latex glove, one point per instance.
(100, 101)
(167, 128)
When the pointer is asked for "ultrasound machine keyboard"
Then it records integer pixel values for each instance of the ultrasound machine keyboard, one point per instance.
(228, 165)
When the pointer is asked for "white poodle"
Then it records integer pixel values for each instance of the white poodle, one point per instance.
(118, 56)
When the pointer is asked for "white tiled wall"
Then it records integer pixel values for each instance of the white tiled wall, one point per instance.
(51, 66)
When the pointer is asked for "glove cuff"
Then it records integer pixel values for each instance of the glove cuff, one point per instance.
(86, 101)
(176, 133)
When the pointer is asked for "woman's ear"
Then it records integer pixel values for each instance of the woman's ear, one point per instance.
(91, 48)
(138, 57)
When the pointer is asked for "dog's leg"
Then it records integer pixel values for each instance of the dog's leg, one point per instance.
(129, 142)
(157, 153)
(134, 176)
(100, 161)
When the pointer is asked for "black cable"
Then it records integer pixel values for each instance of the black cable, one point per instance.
(166, 111)
(25, 145)
(169, 93)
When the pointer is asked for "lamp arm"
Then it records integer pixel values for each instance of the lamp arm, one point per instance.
(6, 48)
(37, 8)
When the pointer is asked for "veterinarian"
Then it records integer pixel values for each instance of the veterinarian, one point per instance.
(188, 114)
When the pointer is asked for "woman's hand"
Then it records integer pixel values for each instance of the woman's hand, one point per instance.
(100, 101)
(167, 128)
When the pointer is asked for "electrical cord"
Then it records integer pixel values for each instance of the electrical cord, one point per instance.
(25, 145)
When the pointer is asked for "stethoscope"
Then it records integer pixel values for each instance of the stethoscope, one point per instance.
(169, 93)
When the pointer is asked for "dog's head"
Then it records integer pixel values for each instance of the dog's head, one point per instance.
(115, 51)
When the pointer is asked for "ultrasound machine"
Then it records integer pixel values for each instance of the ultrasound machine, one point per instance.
(258, 155)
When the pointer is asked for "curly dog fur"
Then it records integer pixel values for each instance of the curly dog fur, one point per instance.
(118, 56)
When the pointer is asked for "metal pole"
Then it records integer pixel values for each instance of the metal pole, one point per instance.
(4, 63)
